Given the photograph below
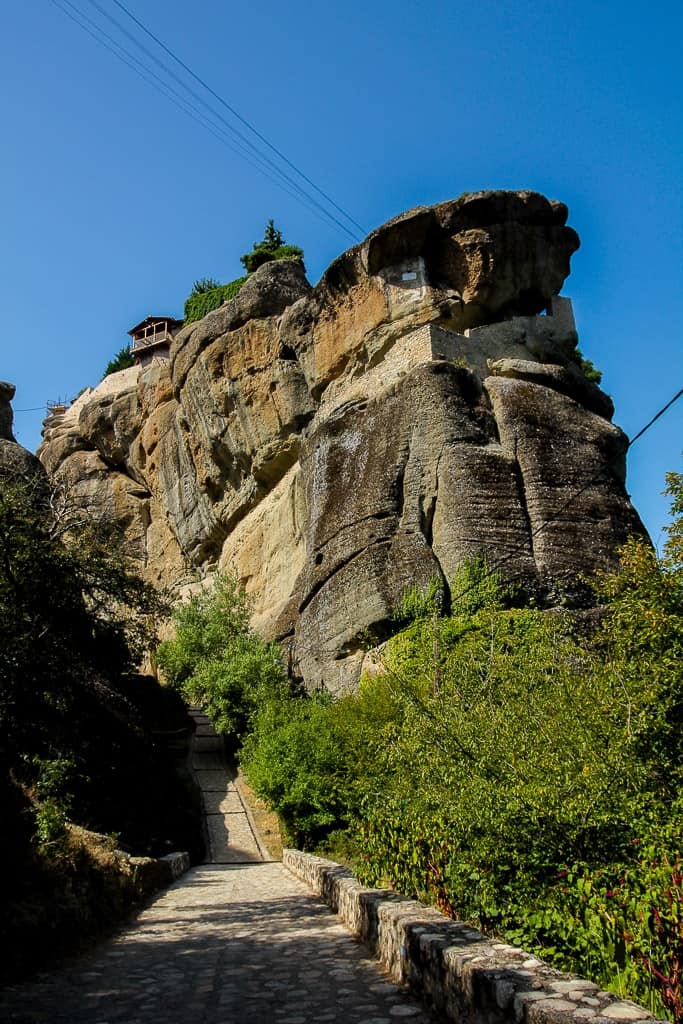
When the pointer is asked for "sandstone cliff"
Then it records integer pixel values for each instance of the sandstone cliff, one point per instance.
(334, 444)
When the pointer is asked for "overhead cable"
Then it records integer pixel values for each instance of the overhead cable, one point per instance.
(655, 418)
(156, 82)
(240, 118)
(231, 128)
(188, 98)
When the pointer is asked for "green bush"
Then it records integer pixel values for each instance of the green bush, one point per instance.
(514, 739)
(271, 247)
(294, 759)
(589, 371)
(620, 923)
(203, 301)
(121, 361)
(529, 774)
(217, 661)
(204, 284)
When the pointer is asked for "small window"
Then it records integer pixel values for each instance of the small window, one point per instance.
(409, 275)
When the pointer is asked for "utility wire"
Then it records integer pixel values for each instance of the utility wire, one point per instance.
(264, 164)
(239, 143)
(154, 80)
(239, 117)
(235, 131)
(655, 418)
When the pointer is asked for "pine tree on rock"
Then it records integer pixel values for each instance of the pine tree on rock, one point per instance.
(271, 247)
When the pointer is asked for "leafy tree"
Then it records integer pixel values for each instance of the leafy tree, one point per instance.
(271, 247)
(74, 620)
(75, 721)
(272, 237)
(121, 361)
(216, 659)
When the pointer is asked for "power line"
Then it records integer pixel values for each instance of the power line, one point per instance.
(255, 159)
(236, 114)
(239, 143)
(231, 128)
(655, 418)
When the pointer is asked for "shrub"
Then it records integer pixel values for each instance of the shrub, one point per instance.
(589, 371)
(208, 295)
(528, 775)
(217, 661)
(294, 759)
(204, 284)
(271, 247)
(621, 923)
(121, 361)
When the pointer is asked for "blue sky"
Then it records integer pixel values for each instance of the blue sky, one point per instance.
(115, 201)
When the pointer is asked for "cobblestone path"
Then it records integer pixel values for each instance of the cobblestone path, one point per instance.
(228, 943)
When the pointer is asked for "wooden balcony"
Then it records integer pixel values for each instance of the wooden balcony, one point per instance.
(154, 334)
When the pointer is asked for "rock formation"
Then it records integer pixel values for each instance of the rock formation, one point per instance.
(420, 405)
(16, 463)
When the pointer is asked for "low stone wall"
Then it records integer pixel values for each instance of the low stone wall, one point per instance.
(153, 873)
(454, 968)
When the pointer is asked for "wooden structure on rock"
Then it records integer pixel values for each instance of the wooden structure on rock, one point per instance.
(151, 338)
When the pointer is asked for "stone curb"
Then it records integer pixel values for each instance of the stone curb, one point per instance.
(151, 874)
(178, 863)
(454, 968)
(260, 845)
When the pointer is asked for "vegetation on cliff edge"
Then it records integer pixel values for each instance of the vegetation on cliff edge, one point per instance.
(207, 294)
(123, 360)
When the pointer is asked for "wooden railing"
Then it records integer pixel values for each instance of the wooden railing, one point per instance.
(152, 336)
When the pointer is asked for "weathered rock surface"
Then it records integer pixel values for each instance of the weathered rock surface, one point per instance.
(16, 463)
(420, 405)
(6, 418)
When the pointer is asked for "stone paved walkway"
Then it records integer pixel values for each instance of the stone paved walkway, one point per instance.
(228, 943)
(231, 836)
